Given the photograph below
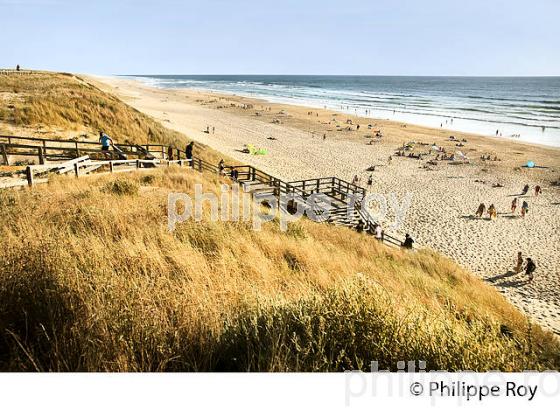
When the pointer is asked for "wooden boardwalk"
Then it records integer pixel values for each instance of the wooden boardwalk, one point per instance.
(341, 200)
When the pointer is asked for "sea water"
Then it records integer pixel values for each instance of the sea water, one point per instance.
(520, 108)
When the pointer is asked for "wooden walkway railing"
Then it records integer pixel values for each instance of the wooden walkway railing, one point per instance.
(346, 195)
(52, 149)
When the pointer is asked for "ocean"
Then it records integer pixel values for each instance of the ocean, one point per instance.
(521, 108)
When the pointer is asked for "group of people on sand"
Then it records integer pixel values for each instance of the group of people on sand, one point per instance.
(493, 214)
(530, 266)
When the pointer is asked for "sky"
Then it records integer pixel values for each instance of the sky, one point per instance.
(375, 37)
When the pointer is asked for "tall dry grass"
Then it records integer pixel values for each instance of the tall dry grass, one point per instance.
(91, 280)
(68, 102)
(46, 103)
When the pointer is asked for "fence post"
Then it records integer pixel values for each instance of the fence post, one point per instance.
(137, 163)
(41, 156)
(111, 166)
(29, 175)
(199, 165)
(4, 154)
(77, 170)
(77, 150)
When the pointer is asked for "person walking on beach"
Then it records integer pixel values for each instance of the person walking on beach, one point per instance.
(480, 210)
(525, 189)
(492, 212)
(530, 269)
(213, 130)
(513, 205)
(519, 263)
(408, 242)
(524, 209)
(370, 180)
(356, 180)
(537, 190)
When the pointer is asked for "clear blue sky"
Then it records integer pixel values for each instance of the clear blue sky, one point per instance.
(395, 37)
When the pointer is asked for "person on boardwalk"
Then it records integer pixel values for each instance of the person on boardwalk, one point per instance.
(530, 269)
(356, 180)
(106, 143)
(525, 190)
(480, 210)
(408, 242)
(538, 190)
(360, 226)
(513, 205)
(189, 150)
(524, 209)
(379, 233)
(492, 214)
(519, 263)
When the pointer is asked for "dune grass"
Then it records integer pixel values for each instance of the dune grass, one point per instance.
(68, 102)
(61, 105)
(91, 280)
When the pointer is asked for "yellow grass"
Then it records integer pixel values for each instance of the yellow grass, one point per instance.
(91, 279)
(68, 102)
(58, 105)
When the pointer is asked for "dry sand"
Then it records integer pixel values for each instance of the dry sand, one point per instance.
(444, 198)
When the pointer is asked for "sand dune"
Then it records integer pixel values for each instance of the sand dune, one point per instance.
(444, 198)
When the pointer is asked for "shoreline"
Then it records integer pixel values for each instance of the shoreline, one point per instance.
(445, 196)
(457, 123)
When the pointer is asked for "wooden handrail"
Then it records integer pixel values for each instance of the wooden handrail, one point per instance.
(330, 186)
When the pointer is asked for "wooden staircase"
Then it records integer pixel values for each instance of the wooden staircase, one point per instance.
(341, 200)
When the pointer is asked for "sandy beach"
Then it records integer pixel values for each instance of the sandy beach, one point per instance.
(445, 195)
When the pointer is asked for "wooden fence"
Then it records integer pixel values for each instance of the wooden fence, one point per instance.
(345, 195)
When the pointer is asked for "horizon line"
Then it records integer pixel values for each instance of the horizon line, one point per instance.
(350, 75)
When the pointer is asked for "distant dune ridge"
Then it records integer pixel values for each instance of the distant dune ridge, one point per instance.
(91, 280)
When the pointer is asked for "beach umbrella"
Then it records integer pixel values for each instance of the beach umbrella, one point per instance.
(530, 164)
